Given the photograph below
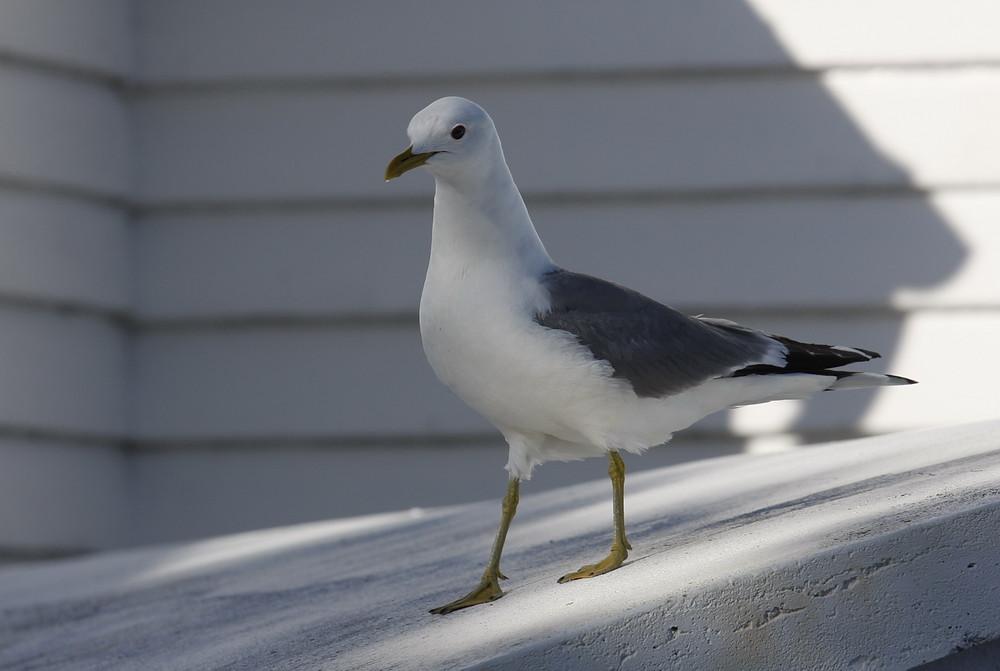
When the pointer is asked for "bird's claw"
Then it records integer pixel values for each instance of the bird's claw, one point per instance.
(487, 590)
(614, 559)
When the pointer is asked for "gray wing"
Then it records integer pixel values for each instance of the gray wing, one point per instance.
(659, 350)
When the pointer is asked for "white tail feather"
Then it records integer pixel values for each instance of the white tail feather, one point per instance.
(865, 380)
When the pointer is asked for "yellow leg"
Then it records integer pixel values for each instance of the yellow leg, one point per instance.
(488, 588)
(619, 544)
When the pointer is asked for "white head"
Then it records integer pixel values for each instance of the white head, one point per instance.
(478, 212)
(453, 137)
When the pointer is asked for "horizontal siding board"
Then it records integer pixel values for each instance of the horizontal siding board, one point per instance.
(359, 39)
(63, 373)
(354, 263)
(936, 124)
(201, 492)
(60, 497)
(291, 383)
(951, 353)
(63, 250)
(241, 39)
(779, 133)
(787, 255)
(206, 492)
(813, 254)
(66, 133)
(888, 32)
(94, 35)
(973, 218)
(325, 382)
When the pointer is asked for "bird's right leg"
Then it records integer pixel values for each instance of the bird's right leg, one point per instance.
(488, 588)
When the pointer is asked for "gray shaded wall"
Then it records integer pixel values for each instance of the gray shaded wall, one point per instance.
(208, 296)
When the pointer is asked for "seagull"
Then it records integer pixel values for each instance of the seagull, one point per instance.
(566, 365)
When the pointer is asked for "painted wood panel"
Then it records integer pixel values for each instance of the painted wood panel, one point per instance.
(323, 382)
(64, 133)
(864, 253)
(61, 497)
(856, 130)
(64, 250)
(63, 373)
(257, 39)
(83, 35)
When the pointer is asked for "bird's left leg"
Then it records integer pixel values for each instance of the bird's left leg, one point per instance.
(619, 543)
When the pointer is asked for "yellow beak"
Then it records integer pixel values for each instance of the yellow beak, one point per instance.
(406, 161)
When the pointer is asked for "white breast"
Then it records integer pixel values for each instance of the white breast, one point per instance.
(482, 341)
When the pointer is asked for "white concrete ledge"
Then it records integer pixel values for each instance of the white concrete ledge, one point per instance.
(870, 554)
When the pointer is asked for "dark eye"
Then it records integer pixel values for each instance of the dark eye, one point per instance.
(458, 132)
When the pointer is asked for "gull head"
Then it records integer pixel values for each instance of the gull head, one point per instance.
(453, 137)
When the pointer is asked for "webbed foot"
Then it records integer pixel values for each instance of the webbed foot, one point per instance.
(614, 559)
(487, 590)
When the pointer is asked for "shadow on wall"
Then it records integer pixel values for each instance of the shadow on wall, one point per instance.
(721, 184)
(727, 182)
(776, 207)
(894, 241)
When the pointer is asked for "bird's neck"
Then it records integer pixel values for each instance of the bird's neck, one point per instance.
(484, 221)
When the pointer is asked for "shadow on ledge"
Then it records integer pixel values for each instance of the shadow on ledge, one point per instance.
(877, 553)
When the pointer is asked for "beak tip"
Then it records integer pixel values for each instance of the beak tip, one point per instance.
(405, 162)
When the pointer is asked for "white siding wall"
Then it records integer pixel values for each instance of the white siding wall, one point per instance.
(65, 174)
(825, 170)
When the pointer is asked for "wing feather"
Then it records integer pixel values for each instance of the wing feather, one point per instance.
(659, 350)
